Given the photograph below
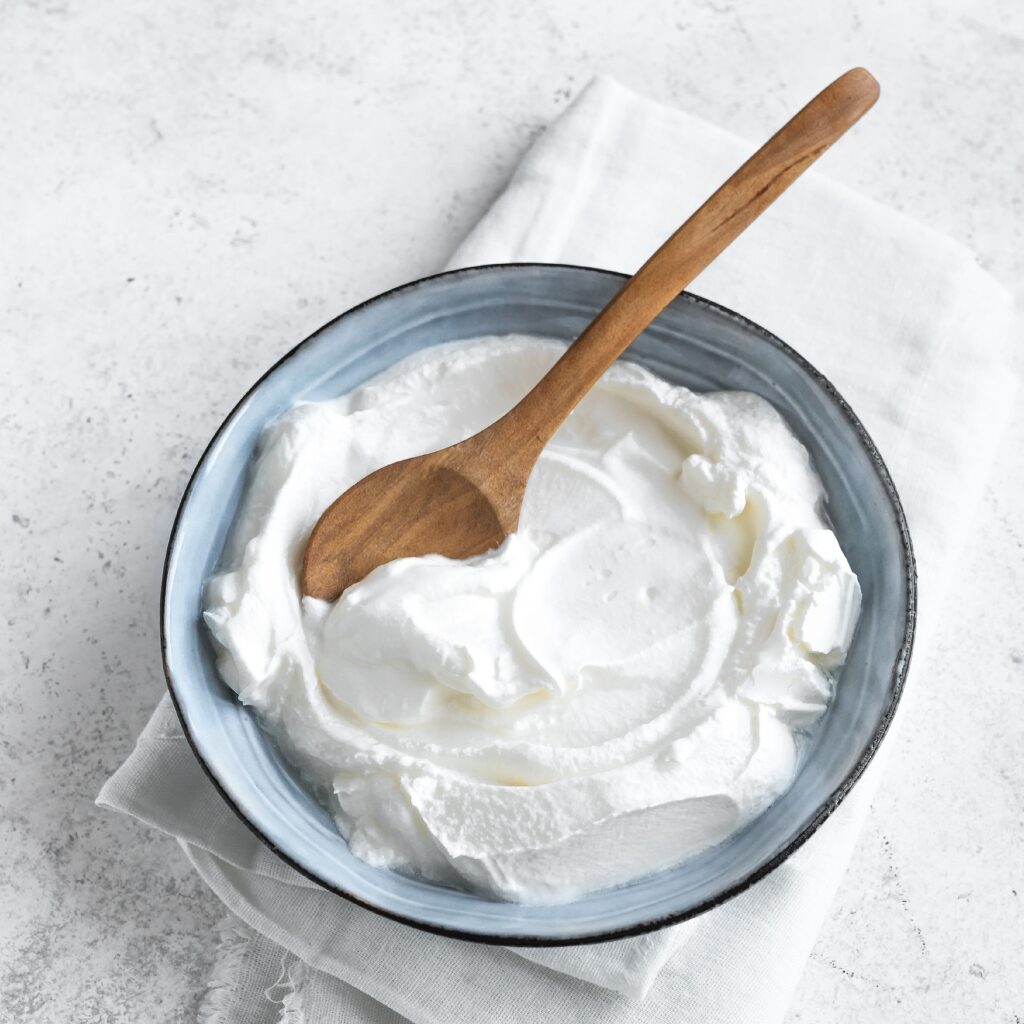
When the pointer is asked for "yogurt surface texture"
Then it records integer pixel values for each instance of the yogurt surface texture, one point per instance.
(621, 685)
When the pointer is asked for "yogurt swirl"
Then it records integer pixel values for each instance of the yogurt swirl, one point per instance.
(619, 686)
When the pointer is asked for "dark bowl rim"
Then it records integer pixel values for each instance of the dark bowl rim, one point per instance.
(898, 676)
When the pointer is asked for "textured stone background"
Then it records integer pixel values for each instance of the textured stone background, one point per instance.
(188, 188)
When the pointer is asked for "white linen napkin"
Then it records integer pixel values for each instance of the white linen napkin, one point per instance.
(912, 332)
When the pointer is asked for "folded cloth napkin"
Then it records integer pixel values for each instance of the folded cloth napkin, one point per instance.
(911, 331)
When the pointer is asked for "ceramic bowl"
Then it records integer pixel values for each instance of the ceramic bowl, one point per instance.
(695, 343)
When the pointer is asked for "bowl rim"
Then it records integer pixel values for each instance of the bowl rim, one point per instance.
(828, 806)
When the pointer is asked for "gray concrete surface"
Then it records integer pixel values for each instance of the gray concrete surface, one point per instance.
(187, 189)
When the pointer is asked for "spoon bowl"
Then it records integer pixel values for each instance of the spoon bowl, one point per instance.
(443, 503)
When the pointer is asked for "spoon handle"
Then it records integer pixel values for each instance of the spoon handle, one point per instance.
(723, 217)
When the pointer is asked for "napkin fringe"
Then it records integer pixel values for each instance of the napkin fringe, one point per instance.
(234, 941)
(237, 959)
(290, 987)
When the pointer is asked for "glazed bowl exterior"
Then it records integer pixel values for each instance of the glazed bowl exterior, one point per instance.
(695, 343)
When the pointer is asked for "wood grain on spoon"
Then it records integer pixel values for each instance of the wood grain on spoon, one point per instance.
(464, 500)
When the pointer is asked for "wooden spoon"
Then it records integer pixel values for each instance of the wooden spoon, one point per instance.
(464, 500)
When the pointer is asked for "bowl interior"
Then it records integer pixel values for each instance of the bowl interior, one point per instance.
(694, 343)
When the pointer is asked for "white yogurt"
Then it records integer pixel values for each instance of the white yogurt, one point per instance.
(618, 687)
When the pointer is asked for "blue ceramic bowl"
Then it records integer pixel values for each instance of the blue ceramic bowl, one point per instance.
(695, 343)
